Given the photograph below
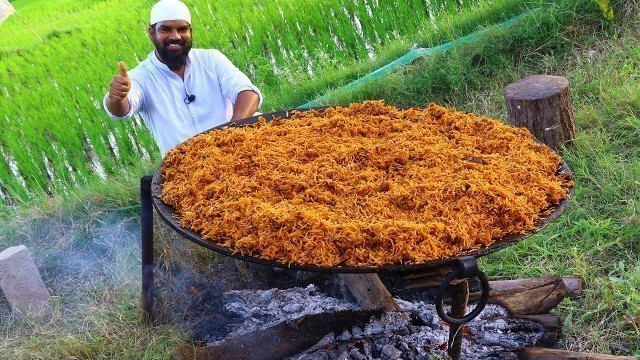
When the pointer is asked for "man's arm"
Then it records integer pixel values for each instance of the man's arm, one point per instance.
(245, 106)
(235, 86)
(119, 88)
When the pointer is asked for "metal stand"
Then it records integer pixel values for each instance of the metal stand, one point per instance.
(146, 223)
(463, 269)
(459, 300)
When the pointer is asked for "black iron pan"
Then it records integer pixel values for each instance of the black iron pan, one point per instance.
(167, 214)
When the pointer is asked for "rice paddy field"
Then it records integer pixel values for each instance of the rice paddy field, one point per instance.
(69, 176)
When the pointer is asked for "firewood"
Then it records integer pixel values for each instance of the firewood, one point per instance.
(520, 296)
(552, 325)
(542, 104)
(555, 354)
(282, 340)
(441, 270)
(370, 292)
(459, 301)
(549, 321)
(422, 282)
(527, 296)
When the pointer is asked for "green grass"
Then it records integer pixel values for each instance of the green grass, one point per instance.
(86, 249)
(86, 241)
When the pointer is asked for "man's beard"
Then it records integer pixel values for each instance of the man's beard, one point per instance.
(174, 60)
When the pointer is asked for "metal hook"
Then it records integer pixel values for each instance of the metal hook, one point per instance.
(463, 268)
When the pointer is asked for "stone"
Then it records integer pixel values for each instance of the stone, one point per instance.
(21, 282)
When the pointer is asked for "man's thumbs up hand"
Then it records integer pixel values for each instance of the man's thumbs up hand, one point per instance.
(120, 85)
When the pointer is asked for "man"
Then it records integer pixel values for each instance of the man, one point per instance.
(180, 92)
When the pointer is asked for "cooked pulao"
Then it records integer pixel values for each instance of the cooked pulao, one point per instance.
(364, 185)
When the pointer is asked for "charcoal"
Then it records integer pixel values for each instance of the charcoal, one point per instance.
(414, 333)
(390, 353)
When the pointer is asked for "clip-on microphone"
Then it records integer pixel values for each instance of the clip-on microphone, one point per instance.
(189, 99)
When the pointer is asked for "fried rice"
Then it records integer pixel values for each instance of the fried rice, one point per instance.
(364, 185)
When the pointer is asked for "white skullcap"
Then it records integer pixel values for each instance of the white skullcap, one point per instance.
(165, 10)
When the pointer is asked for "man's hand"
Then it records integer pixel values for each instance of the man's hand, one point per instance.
(118, 91)
(120, 85)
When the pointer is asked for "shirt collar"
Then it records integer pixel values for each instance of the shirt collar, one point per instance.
(162, 66)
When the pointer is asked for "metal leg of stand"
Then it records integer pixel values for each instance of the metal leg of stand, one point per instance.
(459, 300)
(147, 247)
(463, 268)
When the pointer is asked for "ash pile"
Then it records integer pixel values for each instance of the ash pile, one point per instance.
(305, 324)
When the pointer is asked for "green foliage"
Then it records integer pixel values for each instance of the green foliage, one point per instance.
(607, 10)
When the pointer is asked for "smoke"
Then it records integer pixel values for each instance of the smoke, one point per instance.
(80, 258)
(91, 263)
(191, 282)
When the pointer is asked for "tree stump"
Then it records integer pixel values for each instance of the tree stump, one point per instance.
(542, 104)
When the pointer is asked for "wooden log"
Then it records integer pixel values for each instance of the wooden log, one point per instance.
(459, 301)
(431, 281)
(527, 296)
(542, 104)
(556, 354)
(282, 340)
(441, 270)
(369, 291)
(549, 321)
(552, 325)
(573, 285)
(521, 296)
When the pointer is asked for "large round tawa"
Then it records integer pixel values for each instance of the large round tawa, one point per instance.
(167, 213)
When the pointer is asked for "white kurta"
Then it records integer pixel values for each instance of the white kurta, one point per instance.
(158, 94)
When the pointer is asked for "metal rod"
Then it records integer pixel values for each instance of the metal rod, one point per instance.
(146, 223)
(459, 301)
